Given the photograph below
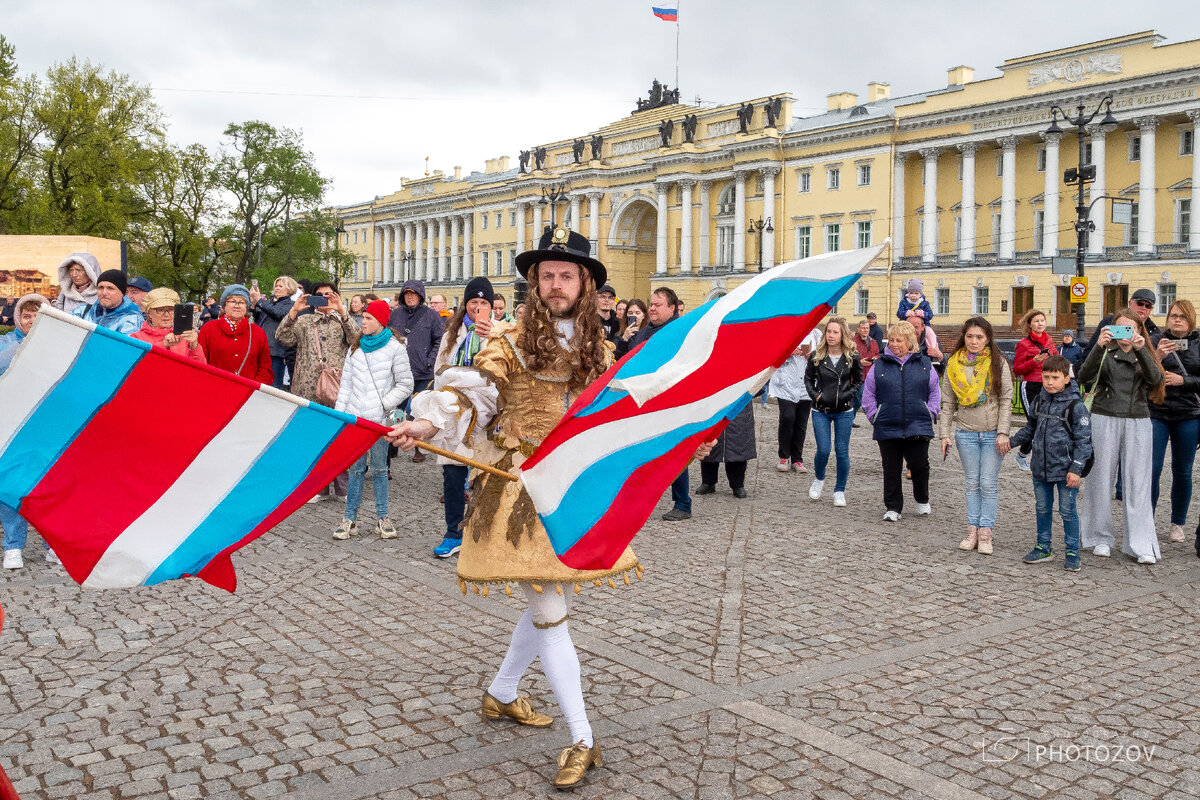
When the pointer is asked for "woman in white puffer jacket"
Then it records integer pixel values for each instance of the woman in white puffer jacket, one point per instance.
(376, 380)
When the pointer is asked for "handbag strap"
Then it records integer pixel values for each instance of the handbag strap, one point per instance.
(1099, 370)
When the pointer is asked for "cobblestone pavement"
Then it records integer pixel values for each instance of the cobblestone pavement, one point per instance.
(779, 647)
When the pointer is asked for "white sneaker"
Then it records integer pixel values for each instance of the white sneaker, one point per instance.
(924, 509)
(1146, 560)
(1177, 534)
(891, 516)
(839, 499)
(13, 559)
(814, 491)
(1022, 461)
(1101, 550)
(52, 557)
(317, 498)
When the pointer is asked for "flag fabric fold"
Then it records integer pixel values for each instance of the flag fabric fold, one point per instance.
(139, 466)
(597, 477)
(667, 13)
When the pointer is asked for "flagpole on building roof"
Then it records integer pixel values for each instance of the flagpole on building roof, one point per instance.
(678, 8)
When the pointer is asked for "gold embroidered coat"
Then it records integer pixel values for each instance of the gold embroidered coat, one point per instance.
(503, 538)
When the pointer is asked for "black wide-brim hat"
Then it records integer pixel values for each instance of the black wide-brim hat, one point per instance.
(561, 244)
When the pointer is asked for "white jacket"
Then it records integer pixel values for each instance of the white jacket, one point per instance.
(375, 384)
(788, 381)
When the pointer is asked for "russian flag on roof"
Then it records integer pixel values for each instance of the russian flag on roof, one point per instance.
(670, 14)
(599, 474)
(138, 466)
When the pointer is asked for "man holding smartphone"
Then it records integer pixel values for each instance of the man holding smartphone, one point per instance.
(606, 298)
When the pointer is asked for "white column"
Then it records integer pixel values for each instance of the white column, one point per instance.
(574, 226)
(1008, 200)
(520, 227)
(661, 249)
(1146, 187)
(398, 253)
(966, 250)
(443, 263)
(388, 244)
(705, 222)
(898, 209)
(594, 222)
(1194, 234)
(537, 223)
(407, 263)
(376, 275)
(468, 271)
(739, 222)
(1049, 243)
(1099, 213)
(685, 227)
(455, 258)
(929, 228)
(768, 240)
(430, 258)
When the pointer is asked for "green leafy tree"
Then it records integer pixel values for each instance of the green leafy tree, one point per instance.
(20, 130)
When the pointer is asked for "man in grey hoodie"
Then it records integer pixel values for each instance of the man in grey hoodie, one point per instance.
(422, 329)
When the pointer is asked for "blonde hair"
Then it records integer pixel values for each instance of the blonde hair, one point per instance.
(847, 344)
(1026, 322)
(289, 283)
(905, 331)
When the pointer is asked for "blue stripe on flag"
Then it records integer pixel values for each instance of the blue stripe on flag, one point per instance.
(275, 475)
(102, 365)
(593, 492)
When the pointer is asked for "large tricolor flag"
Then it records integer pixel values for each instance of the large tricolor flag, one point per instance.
(138, 466)
(598, 475)
(668, 13)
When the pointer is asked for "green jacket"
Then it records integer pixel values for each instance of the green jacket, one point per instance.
(1126, 380)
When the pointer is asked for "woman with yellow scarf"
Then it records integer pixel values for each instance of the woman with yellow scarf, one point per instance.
(977, 392)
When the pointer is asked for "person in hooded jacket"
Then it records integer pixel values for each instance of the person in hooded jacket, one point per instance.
(375, 381)
(78, 275)
(159, 328)
(422, 329)
(1176, 420)
(112, 309)
(10, 341)
(1070, 349)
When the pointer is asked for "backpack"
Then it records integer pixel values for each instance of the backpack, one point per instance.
(1069, 421)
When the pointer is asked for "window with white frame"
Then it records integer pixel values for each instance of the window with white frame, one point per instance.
(356, 236)
(941, 299)
(498, 263)
(803, 241)
(483, 221)
(1187, 142)
(512, 219)
(862, 233)
(979, 303)
(1183, 220)
(1087, 152)
(804, 181)
(960, 167)
(999, 164)
(1041, 159)
(862, 302)
(920, 233)
(512, 260)
(996, 231)
(483, 262)
(864, 174)
(725, 245)
(833, 178)
(1131, 230)
(1039, 227)
(957, 232)
(1135, 147)
(498, 219)
(1166, 293)
(833, 237)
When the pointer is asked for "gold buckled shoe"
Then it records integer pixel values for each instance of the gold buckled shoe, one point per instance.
(519, 710)
(573, 764)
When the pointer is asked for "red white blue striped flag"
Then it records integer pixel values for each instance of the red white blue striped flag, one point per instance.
(138, 466)
(599, 474)
(668, 13)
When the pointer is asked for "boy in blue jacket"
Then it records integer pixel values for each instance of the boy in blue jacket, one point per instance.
(914, 297)
(1059, 427)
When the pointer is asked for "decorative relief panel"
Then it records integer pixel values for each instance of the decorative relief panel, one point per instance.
(635, 146)
(1075, 69)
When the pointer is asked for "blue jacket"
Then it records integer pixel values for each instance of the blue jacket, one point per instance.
(422, 329)
(923, 306)
(1060, 428)
(901, 398)
(8, 348)
(125, 318)
(1072, 352)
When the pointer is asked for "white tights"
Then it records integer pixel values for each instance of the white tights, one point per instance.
(542, 633)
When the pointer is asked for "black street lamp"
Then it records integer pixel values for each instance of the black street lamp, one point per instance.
(1080, 176)
(405, 260)
(337, 241)
(552, 195)
(758, 226)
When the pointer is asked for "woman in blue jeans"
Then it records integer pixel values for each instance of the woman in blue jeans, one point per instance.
(977, 390)
(832, 379)
(1176, 420)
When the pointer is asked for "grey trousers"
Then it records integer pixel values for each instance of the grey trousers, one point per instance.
(1127, 442)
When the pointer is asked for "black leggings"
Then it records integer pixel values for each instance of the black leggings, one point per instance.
(894, 452)
(793, 427)
(735, 472)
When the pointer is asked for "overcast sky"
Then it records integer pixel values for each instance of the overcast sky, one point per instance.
(375, 87)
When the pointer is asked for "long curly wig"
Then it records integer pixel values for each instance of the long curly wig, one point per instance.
(587, 356)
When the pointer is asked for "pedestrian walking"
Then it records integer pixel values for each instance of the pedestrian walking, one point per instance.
(787, 387)
(832, 379)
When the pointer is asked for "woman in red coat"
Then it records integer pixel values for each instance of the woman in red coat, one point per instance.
(1035, 348)
(234, 343)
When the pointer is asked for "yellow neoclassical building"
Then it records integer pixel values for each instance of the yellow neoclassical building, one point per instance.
(964, 179)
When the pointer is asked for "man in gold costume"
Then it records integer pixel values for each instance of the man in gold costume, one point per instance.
(501, 408)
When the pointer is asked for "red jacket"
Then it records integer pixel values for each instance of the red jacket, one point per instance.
(1024, 365)
(226, 348)
(155, 336)
(867, 353)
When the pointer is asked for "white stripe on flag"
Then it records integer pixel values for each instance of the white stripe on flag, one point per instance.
(554, 474)
(216, 470)
(698, 344)
(44, 360)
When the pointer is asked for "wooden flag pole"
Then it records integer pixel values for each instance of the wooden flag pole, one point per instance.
(470, 462)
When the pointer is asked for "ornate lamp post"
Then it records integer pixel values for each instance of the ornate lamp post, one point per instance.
(338, 230)
(758, 226)
(1080, 176)
(552, 195)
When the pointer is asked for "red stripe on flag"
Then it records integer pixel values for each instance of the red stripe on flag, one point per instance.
(108, 476)
(601, 546)
(343, 451)
(738, 353)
